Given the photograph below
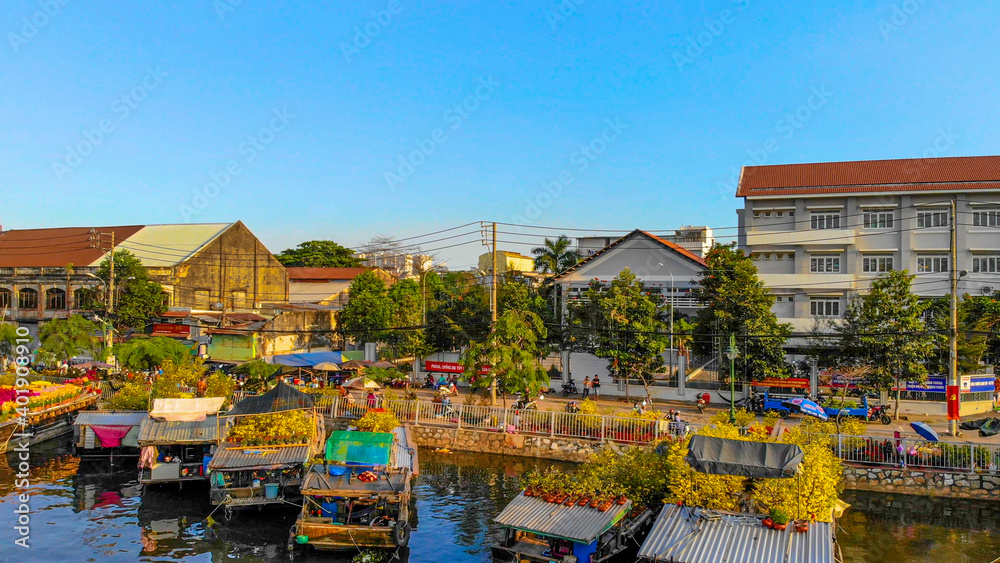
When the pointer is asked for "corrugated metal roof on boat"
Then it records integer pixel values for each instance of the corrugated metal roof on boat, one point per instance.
(232, 458)
(694, 535)
(154, 432)
(110, 418)
(578, 523)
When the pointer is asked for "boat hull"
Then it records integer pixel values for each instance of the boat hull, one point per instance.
(44, 425)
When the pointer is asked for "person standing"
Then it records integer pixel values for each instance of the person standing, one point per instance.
(596, 385)
(586, 387)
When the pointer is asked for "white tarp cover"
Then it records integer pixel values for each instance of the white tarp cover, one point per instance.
(186, 410)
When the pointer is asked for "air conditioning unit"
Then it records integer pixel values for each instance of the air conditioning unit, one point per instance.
(987, 289)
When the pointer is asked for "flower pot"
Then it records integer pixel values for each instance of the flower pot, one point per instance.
(529, 492)
(801, 526)
(780, 527)
(768, 523)
(621, 499)
(570, 500)
(584, 501)
(549, 497)
(595, 503)
(604, 506)
(561, 498)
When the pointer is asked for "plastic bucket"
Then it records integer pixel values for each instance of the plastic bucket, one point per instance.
(336, 470)
(271, 490)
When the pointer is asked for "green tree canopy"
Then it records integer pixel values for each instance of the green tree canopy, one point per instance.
(258, 375)
(512, 350)
(458, 310)
(735, 301)
(407, 302)
(369, 313)
(884, 329)
(628, 332)
(555, 256)
(136, 297)
(8, 338)
(319, 254)
(62, 339)
(972, 342)
(149, 353)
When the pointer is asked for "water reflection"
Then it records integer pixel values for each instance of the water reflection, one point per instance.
(93, 512)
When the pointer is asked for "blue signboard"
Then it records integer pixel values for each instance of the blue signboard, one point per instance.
(981, 383)
(968, 383)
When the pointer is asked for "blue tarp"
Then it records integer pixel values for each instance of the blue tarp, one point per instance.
(306, 360)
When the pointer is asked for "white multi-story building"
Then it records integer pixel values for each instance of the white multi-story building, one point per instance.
(696, 240)
(821, 232)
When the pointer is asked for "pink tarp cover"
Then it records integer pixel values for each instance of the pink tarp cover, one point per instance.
(110, 436)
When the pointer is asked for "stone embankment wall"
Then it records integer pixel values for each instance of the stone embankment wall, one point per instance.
(562, 449)
(925, 483)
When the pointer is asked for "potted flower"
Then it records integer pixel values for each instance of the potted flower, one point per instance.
(780, 519)
(801, 526)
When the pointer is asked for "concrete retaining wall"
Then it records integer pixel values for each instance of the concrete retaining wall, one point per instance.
(925, 483)
(562, 449)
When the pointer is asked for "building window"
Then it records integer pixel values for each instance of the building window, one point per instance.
(986, 218)
(878, 219)
(932, 219)
(985, 264)
(4, 298)
(929, 264)
(825, 220)
(791, 256)
(55, 299)
(27, 299)
(876, 264)
(824, 264)
(201, 299)
(824, 307)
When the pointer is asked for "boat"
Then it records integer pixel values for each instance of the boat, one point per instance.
(244, 475)
(359, 496)
(539, 531)
(687, 534)
(107, 434)
(45, 423)
(178, 439)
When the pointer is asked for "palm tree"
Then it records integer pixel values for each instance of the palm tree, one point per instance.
(555, 256)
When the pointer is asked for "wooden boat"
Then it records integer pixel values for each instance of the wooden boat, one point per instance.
(45, 423)
(539, 531)
(123, 441)
(178, 439)
(340, 510)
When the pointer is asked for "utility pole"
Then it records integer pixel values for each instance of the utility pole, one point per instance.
(493, 313)
(108, 334)
(954, 391)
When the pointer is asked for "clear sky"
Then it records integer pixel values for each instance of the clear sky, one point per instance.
(348, 120)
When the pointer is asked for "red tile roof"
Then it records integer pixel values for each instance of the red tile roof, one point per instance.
(55, 248)
(872, 176)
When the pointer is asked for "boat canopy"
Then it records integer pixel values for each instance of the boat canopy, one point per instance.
(186, 409)
(231, 458)
(684, 534)
(724, 456)
(283, 397)
(153, 432)
(580, 524)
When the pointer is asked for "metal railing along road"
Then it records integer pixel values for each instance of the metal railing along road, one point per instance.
(863, 450)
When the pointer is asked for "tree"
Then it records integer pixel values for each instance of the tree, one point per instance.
(319, 254)
(555, 256)
(62, 339)
(884, 329)
(8, 338)
(407, 340)
(971, 342)
(735, 301)
(176, 376)
(259, 375)
(458, 310)
(136, 297)
(149, 353)
(369, 313)
(512, 351)
(629, 333)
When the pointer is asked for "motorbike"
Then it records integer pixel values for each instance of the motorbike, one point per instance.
(569, 388)
(701, 401)
(879, 412)
(525, 403)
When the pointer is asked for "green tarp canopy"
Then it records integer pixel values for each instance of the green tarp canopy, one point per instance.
(722, 456)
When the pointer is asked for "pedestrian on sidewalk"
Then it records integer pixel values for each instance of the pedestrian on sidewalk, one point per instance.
(596, 384)
(586, 387)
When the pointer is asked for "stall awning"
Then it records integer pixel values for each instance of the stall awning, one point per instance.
(723, 456)
(580, 524)
(110, 418)
(283, 397)
(186, 409)
(307, 360)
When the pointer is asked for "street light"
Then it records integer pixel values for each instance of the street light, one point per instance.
(671, 318)
(732, 352)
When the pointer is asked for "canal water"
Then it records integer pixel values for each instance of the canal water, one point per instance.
(89, 512)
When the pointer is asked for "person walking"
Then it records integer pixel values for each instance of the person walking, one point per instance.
(586, 387)
(596, 385)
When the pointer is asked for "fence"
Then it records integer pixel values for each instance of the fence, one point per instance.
(867, 450)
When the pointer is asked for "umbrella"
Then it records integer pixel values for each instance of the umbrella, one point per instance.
(925, 431)
(362, 383)
(384, 364)
(805, 406)
(327, 366)
(353, 364)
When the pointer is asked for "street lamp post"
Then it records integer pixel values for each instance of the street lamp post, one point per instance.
(671, 318)
(732, 352)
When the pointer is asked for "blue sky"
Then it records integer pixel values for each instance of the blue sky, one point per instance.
(295, 118)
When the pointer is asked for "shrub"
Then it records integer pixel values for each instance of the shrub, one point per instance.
(289, 427)
(131, 397)
(378, 421)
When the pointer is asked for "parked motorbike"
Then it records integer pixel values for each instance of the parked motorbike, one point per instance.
(880, 413)
(569, 388)
(525, 403)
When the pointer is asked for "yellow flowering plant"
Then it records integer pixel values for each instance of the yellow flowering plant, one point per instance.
(288, 427)
(378, 421)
